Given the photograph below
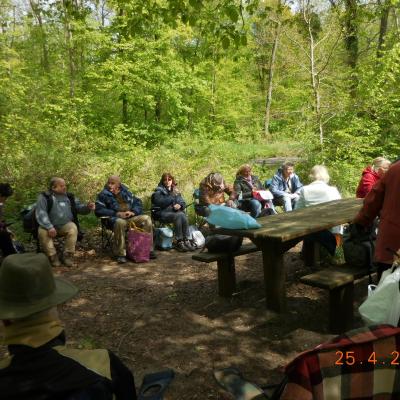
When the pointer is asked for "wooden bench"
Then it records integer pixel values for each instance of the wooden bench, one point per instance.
(226, 267)
(340, 283)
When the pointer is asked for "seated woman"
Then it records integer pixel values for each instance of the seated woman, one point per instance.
(168, 206)
(245, 184)
(371, 175)
(212, 190)
(318, 191)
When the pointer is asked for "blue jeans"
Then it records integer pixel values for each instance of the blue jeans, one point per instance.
(285, 201)
(251, 205)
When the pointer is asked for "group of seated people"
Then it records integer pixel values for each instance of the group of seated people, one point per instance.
(56, 210)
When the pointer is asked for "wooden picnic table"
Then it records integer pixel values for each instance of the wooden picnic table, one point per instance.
(279, 233)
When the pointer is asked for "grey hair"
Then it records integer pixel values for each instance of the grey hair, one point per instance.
(379, 162)
(319, 173)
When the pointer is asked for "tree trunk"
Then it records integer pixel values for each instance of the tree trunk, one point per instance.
(351, 41)
(43, 37)
(270, 79)
(315, 80)
(69, 42)
(383, 26)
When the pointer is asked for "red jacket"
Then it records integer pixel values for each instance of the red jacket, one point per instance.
(383, 200)
(368, 179)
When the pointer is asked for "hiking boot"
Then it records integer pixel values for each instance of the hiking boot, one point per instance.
(54, 261)
(180, 246)
(153, 255)
(121, 260)
(68, 260)
(189, 245)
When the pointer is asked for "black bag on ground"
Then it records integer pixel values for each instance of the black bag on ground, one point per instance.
(359, 245)
(223, 243)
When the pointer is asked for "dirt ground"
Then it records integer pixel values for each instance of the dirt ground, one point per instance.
(167, 314)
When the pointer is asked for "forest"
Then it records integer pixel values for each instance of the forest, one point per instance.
(90, 88)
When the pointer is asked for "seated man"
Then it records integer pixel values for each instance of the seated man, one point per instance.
(118, 203)
(39, 366)
(318, 191)
(212, 190)
(56, 213)
(6, 245)
(285, 187)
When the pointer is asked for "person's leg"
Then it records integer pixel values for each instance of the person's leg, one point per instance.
(47, 246)
(6, 245)
(175, 219)
(70, 232)
(119, 245)
(255, 208)
(287, 203)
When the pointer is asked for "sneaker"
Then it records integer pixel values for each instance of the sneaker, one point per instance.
(180, 246)
(68, 260)
(54, 260)
(153, 255)
(121, 260)
(189, 245)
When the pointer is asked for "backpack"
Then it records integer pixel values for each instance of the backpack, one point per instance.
(196, 237)
(28, 215)
(163, 238)
(359, 245)
(223, 243)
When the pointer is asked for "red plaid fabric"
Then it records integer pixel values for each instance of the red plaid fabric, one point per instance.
(363, 364)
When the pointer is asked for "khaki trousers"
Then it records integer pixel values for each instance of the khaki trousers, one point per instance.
(69, 230)
(120, 228)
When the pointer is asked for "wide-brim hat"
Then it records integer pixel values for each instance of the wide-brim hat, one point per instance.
(27, 286)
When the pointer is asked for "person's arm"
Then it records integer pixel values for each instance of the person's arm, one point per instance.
(275, 186)
(122, 379)
(366, 184)
(301, 202)
(81, 208)
(179, 200)
(372, 204)
(102, 209)
(161, 201)
(231, 192)
(298, 185)
(42, 217)
(136, 206)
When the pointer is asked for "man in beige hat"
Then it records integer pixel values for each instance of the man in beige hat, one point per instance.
(39, 366)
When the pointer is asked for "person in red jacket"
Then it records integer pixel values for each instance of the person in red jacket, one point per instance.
(371, 175)
(383, 200)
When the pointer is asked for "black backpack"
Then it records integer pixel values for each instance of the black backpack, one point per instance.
(223, 243)
(28, 215)
(359, 245)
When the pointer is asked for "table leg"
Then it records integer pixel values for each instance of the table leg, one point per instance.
(226, 276)
(274, 274)
(311, 253)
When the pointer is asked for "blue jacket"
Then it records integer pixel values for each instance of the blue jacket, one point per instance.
(163, 200)
(107, 205)
(279, 186)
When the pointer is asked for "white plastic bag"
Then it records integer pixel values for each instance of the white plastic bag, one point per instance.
(382, 306)
(196, 237)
